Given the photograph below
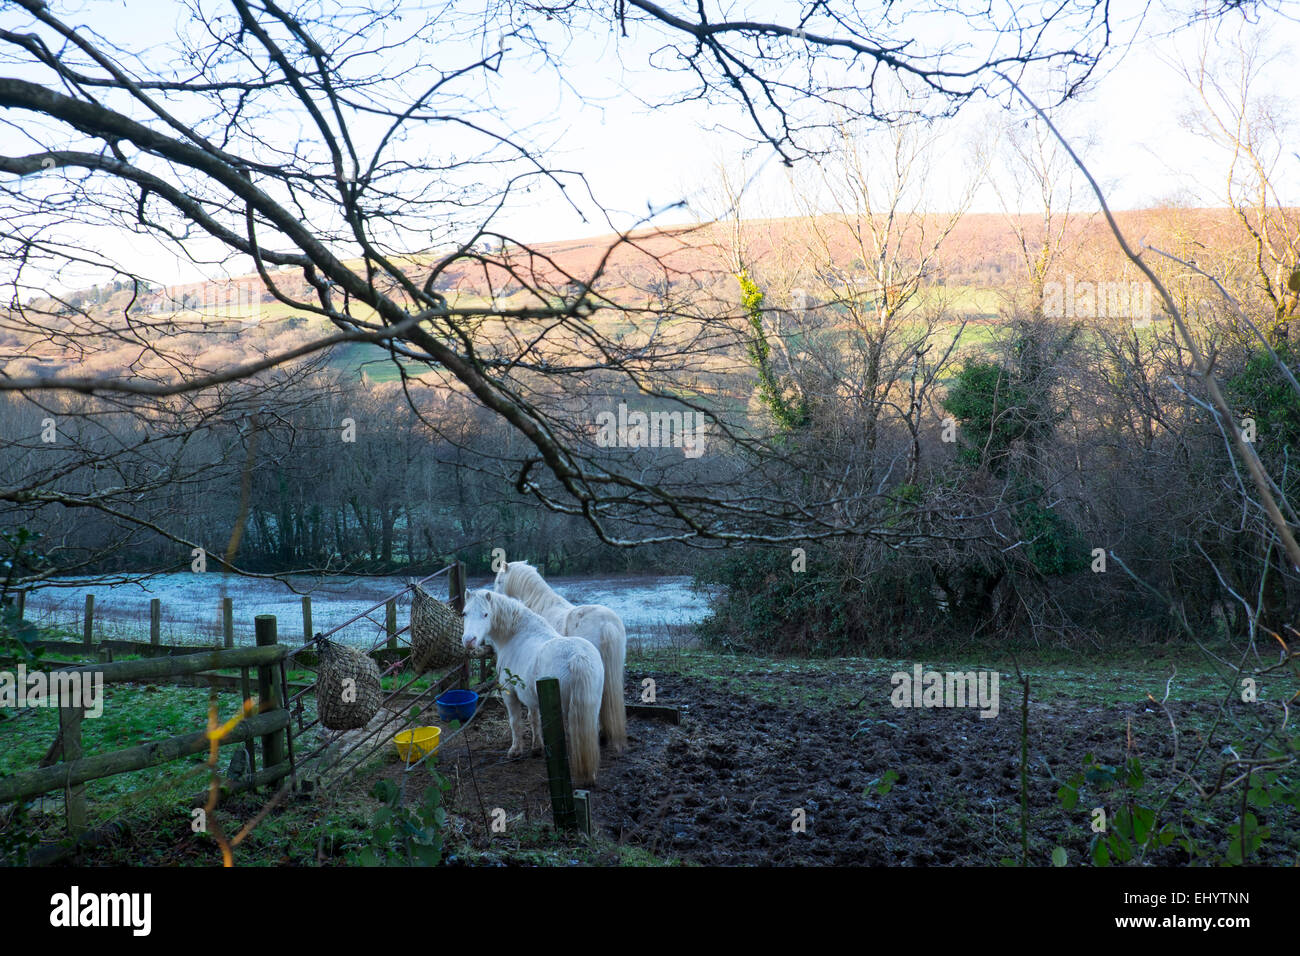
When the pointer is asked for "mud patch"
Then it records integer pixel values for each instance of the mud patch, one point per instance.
(722, 788)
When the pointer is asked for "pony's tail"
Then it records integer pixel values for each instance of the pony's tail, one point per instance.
(582, 708)
(613, 712)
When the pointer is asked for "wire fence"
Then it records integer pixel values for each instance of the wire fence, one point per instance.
(123, 613)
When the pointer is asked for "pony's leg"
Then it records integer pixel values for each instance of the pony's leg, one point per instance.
(515, 711)
(535, 722)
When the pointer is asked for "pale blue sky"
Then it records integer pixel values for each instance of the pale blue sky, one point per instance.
(635, 157)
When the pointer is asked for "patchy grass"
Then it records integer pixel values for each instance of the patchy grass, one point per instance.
(1053, 676)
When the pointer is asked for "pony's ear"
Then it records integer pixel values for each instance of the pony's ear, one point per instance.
(487, 595)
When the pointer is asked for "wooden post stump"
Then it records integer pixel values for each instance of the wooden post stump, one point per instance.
(155, 621)
(306, 618)
(582, 807)
(390, 622)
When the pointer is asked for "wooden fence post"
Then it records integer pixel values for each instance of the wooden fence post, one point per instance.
(21, 604)
(390, 622)
(456, 586)
(228, 625)
(88, 621)
(456, 598)
(557, 757)
(155, 621)
(268, 690)
(288, 727)
(306, 618)
(74, 797)
(246, 689)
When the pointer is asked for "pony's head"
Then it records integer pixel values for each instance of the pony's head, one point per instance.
(477, 619)
(509, 574)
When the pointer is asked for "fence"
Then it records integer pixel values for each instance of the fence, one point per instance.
(175, 619)
(278, 708)
(271, 724)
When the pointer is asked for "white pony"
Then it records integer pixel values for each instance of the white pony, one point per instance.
(595, 622)
(528, 648)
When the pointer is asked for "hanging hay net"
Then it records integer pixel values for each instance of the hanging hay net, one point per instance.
(348, 691)
(436, 630)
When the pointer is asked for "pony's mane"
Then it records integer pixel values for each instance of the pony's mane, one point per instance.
(524, 582)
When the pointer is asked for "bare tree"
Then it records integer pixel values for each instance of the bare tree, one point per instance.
(313, 147)
(1042, 185)
(1251, 130)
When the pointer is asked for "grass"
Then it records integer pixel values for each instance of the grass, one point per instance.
(1054, 676)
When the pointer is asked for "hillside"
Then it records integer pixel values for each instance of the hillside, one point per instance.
(979, 264)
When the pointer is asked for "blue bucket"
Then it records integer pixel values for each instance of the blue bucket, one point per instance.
(457, 705)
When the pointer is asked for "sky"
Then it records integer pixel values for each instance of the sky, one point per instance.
(1128, 129)
(637, 158)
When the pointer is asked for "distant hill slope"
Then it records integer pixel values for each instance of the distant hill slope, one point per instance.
(229, 319)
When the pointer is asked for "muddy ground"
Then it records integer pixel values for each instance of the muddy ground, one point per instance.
(761, 738)
(722, 787)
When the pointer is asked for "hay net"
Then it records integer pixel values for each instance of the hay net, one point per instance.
(348, 691)
(436, 630)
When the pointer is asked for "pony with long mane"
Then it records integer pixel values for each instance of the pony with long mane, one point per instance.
(527, 648)
(595, 622)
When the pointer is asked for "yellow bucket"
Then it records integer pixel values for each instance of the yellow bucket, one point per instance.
(414, 744)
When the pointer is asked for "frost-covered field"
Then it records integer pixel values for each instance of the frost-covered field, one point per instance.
(191, 605)
(646, 603)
